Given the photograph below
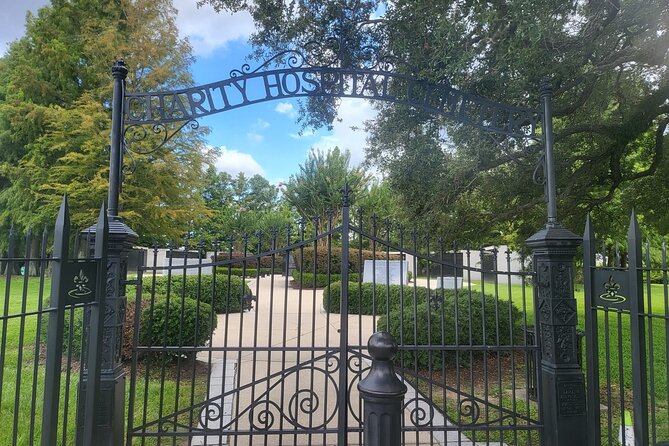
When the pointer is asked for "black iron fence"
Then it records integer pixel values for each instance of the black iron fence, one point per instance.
(49, 314)
(627, 323)
(233, 346)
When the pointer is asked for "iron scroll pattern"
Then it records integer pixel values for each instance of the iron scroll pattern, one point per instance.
(419, 410)
(326, 68)
(262, 414)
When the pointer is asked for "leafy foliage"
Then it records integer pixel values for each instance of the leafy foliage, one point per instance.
(475, 324)
(319, 280)
(315, 192)
(329, 260)
(240, 207)
(178, 322)
(607, 62)
(224, 292)
(55, 94)
(370, 298)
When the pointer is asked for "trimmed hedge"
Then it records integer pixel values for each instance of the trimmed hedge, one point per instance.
(249, 273)
(431, 334)
(265, 261)
(321, 279)
(229, 290)
(356, 259)
(178, 324)
(376, 297)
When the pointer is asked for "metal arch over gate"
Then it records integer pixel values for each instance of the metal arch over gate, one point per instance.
(321, 69)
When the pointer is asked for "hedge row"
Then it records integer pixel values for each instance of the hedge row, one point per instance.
(181, 323)
(229, 291)
(476, 325)
(265, 261)
(304, 260)
(307, 279)
(249, 273)
(364, 298)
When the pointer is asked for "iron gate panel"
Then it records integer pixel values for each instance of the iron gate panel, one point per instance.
(282, 365)
(627, 334)
(49, 332)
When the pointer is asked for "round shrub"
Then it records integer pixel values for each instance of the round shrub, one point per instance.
(226, 295)
(179, 324)
(365, 298)
(477, 324)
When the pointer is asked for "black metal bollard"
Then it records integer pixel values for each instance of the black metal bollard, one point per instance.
(383, 394)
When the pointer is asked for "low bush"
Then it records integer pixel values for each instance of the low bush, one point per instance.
(229, 291)
(436, 326)
(265, 261)
(307, 279)
(364, 298)
(304, 261)
(249, 273)
(182, 323)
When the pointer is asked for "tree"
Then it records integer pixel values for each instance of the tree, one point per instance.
(606, 60)
(240, 206)
(315, 191)
(55, 90)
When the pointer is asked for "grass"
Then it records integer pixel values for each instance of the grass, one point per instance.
(23, 386)
(615, 361)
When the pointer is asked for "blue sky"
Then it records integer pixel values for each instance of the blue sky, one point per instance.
(262, 138)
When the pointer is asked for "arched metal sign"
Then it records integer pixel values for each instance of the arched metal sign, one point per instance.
(301, 79)
(321, 69)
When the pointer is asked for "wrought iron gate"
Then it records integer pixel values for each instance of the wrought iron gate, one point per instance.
(627, 325)
(272, 360)
(52, 329)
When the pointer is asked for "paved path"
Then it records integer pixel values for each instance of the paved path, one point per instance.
(289, 338)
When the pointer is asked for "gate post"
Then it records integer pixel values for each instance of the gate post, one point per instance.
(562, 398)
(382, 394)
(561, 383)
(110, 413)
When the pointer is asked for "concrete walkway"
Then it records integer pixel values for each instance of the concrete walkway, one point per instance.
(280, 370)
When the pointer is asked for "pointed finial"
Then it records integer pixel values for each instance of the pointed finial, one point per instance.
(545, 87)
(346, 195)
(119, 70)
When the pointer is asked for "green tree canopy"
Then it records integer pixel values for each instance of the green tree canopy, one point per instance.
(241, 206)
(55, 90)
(607, 61)
(316, 190)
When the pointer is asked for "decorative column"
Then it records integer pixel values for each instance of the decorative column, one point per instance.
(562, 396)
(110, 413)
(382, 394)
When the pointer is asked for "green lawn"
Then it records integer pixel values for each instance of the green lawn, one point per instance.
(618, 364)
(24, 426)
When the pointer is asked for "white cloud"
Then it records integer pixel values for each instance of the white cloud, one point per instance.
(255, 137)
(308, 133)
(207, 29)
(261, 124)
(285, 108)
(234, 161)
(350, 133)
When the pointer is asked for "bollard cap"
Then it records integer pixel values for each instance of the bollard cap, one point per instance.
(382, 346)
(381, 381)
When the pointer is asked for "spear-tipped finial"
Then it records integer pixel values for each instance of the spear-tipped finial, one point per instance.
(346, 195)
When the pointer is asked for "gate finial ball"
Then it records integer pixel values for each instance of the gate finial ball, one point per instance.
(382, 346)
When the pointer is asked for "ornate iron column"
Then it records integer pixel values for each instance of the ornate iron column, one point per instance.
(562, 398)
(110, 413)
(383, 394)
